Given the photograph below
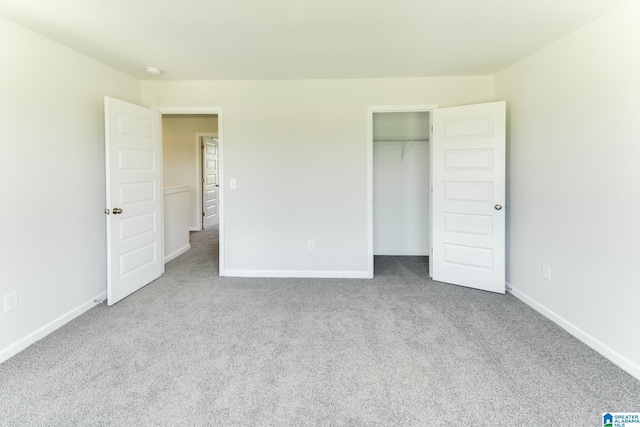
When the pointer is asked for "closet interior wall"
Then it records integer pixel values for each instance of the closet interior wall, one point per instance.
(401, 183)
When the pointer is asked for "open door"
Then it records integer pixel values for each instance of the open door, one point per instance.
(468, 182)
(133, 150)
(209, 181)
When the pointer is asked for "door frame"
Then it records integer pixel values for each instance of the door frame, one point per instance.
(212, 110)
(200, 176)
(371, 110)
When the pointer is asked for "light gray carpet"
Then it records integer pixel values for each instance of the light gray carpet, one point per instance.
(192, 349)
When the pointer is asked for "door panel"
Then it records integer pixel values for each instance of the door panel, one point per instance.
(210, 184)
(468, 188)
(134, 185)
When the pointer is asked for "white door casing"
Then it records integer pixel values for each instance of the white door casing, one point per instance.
(209, 181)
(468, 204)
(221, 194)
(426, 108)
(133, 149)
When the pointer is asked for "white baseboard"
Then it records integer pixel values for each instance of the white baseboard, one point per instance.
(45, 330)
(177, 253)
(623, 362)
(195, 228)
(298, 274)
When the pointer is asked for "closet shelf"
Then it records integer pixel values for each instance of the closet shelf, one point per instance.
(401, 140)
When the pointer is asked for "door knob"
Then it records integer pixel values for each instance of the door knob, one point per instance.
(117, 211)
(497, 207)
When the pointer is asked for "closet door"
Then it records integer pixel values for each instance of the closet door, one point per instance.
(468, 181)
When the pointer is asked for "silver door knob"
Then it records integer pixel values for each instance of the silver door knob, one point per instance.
(117, 211)
(497, 207)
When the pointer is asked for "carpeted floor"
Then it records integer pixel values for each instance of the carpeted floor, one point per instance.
(193, 349)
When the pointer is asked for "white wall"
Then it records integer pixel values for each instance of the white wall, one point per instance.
(298, 150)
(574, 172)
(401, 187)
(52, 224)
(401, 125)
(181, 158)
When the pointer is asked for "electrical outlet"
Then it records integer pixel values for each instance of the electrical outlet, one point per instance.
(10, 302)
(546, 272)
(311, 245)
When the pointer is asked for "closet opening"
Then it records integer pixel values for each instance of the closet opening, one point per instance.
(401, 187)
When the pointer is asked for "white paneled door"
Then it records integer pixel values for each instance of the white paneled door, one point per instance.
(468, 164)
(134, 197)
(210, 181)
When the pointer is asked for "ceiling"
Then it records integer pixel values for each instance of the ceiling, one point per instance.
(305, 39)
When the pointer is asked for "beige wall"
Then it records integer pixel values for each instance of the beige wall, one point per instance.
(298, 150)
(180, 156)
(52, 170)
(574, 174)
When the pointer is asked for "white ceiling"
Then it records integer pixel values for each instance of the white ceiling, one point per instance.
(305, 39)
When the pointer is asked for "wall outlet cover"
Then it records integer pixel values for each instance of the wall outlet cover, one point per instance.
(10, 302)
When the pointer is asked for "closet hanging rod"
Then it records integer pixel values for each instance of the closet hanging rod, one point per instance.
(401, 140)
